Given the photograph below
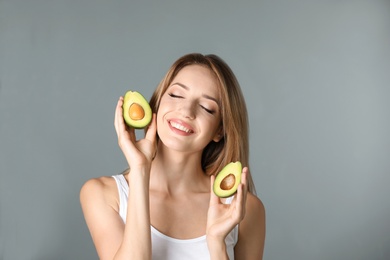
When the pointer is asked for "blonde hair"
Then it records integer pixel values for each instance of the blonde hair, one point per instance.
(234, 145)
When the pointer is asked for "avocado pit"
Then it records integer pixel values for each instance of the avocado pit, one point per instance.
(228, 182)
(136, 112)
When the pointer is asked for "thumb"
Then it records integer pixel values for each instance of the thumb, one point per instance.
(214, 199)
(152, 130)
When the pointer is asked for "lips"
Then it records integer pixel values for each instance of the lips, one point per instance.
(179, 125)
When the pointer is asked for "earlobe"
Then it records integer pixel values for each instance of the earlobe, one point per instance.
(218, 137)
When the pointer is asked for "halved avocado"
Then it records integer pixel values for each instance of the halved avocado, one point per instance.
(227, 180)
(136, 110)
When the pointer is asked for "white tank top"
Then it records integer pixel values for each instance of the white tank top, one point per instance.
(168, 248)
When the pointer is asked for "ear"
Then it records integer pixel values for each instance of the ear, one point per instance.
(218, 136)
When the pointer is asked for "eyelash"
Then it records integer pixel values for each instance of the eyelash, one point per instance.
(174, 96)
(208, 110)
(204, 108)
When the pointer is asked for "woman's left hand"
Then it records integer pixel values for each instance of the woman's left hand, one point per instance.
(222, 218)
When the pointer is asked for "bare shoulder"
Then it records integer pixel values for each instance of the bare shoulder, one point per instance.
(254, 215)
(255, 208)
(99, 200)
(251, 236)
(99, 190)
(100, 185)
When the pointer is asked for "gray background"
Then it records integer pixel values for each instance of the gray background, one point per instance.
(315, 75)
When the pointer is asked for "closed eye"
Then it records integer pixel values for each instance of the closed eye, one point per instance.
(207, 110)
(174, 96)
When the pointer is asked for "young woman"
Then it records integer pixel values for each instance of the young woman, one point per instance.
(163, 206)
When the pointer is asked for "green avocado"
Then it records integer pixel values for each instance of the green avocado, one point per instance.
(227, 180)
(136, 110)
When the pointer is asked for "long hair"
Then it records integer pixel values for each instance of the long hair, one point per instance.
(234, 145)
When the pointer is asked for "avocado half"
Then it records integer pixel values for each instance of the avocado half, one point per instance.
(227, 180)
(136, 110)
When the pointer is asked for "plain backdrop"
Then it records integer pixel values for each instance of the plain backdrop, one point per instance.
(316, 78)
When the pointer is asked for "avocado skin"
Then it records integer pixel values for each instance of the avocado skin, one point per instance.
(135, 97)
(234, 168)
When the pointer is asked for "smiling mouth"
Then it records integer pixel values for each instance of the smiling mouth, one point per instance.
(180, 127)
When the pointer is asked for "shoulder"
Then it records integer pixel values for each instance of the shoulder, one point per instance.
(255, 208)
(99, 200)
(101, 184)
(99, 190)
(254, 215)
(251, 236)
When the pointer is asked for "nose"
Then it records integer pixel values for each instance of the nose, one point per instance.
(188, 110)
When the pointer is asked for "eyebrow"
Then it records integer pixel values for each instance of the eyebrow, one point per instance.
(203, 95)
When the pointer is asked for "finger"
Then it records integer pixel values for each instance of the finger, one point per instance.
(244, 181)
(131, 132)
(241, 196)
(244, 190)
(214, 199)
(239, 209)
(244, 177)
(118, 114)
(152, 130)
(123, 130)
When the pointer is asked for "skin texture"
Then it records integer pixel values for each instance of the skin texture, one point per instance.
(168, 188)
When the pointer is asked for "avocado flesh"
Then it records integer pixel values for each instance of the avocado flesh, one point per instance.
(136, 110)
(227, 180)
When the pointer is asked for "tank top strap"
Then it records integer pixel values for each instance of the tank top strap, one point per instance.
(123, 191)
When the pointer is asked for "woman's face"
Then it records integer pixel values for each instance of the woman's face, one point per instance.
(189, 115)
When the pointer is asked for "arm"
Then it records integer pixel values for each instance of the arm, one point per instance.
(137, 239)
(136, 243)
(251, 234)
(222, 218)
(101, 215)
(112, 238)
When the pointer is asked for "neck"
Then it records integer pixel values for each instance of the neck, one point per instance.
(176, 172)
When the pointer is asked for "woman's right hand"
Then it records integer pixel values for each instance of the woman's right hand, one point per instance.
(138, 153)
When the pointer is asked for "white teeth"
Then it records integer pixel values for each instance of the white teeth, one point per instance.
(180, 127)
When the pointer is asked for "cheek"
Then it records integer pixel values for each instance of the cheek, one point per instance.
(164, 104)
(214, 126)
(160, 113)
